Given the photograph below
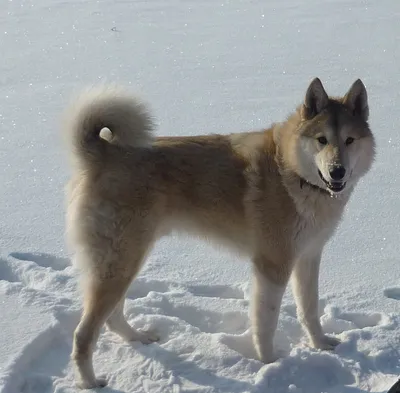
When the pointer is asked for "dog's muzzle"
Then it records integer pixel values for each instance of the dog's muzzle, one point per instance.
(334, 186)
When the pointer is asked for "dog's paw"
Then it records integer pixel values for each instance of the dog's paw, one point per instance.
(326, 343)
(144, 336)
(97, 383)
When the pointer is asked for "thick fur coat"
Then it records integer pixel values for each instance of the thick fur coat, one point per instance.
(276, 195)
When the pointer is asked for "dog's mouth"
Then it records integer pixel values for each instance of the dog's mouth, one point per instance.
(335, 186)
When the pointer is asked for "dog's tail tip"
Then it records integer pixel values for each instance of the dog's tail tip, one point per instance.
(106, 134)
(103, 116)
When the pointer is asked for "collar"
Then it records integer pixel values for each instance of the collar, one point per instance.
(313, 186)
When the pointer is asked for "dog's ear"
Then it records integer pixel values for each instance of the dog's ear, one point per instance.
(356, 99)
(316, 100)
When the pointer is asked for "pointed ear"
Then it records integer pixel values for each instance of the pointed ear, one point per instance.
(356, 99)
(316, 99)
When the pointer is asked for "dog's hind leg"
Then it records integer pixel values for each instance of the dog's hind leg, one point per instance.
(104, 289)
(100, 299)
(119, 325)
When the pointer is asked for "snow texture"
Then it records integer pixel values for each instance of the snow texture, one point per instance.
(204, 66)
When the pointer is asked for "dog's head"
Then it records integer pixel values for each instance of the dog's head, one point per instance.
(335, 145)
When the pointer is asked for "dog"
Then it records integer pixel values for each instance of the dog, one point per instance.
(275, 195)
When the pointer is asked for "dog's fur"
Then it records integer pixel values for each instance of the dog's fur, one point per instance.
(269, 194)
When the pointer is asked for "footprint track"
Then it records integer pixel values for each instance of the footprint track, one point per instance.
(392, 293)
(42, 259)
(337, 322)
(216, 291)
(362, 320)
(197, 305)
(7, 273)
(141, 288)
(38, 271)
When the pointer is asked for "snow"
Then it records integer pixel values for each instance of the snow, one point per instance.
(203, 66)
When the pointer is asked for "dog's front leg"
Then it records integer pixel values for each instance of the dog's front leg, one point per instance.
(305, 290)
(269, 284)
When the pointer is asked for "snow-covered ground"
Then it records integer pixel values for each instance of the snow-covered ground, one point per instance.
(204, 66)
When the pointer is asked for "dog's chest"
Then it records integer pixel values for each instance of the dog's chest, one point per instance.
(315, 228)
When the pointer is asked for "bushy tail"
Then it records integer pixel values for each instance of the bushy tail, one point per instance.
(103, 116)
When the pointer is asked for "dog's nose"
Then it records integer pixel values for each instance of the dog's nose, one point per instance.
(337, 172)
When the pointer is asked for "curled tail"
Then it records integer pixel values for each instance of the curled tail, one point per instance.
(103, 116)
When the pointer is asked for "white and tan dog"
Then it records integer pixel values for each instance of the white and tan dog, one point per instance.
(276, 195)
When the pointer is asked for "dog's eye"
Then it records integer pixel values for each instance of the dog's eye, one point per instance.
(349, 140)
(322, 140)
